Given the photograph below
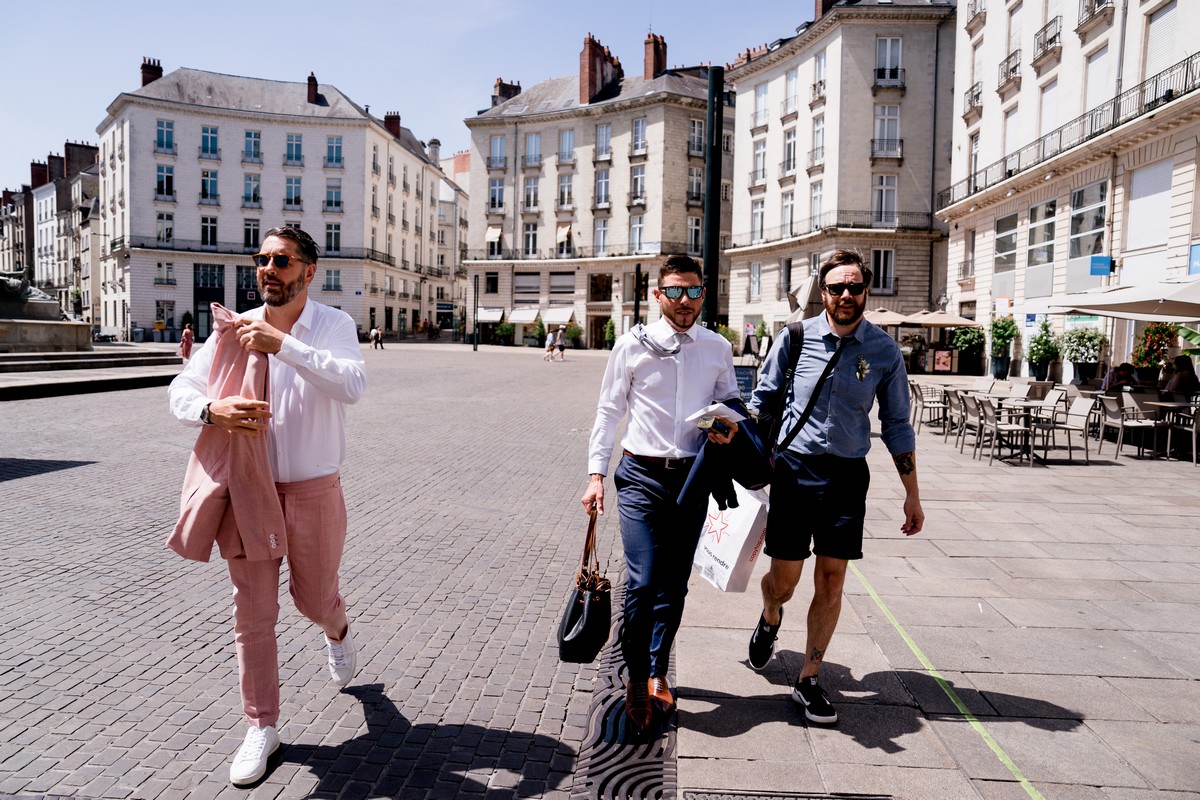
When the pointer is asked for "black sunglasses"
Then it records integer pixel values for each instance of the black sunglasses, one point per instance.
(676, 292)
(281, 262)
(836, 289)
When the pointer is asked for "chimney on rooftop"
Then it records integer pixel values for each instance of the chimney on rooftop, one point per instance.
(435, 151)
(312, 88)
(151, 70)
(656, 56)
(822, 7)
(502, 91)
(597, 69)
(39, 174)
(391, 121)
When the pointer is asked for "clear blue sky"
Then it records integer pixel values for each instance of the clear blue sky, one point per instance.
(434, 62)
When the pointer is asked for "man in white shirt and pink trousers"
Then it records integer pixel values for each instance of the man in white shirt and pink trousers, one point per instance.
(316, 370)
(658, 375)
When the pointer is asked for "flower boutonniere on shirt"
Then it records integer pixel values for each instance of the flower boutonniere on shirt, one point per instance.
(863, 369)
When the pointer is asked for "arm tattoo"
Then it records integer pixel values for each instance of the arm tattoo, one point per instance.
(905, 462)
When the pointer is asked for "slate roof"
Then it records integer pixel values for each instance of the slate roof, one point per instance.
(562, 94)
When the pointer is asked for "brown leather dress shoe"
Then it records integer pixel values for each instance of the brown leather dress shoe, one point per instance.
(637, 703)
(660, 695)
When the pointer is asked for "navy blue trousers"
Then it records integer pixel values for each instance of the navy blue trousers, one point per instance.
(659, 537)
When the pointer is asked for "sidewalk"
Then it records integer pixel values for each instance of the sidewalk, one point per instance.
(1059, 605)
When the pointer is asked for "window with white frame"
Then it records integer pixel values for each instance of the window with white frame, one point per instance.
(333, 194)
(165, 273)
(209, 142)
(1040, 249)
(818, 140)
(165, 228)
(819, 67)
(760, 104)
(291, 197)
(757, 219)
(883, 268)
(333, 151)
(164, 187)
(887, 58)
(695, 183)
(1088, 207)
(533, 148)
(252, 151)
(531, 194)
(333, 280)
(604, 140)
(637, 181)
(333, 237)
(164, 136)
(695, 236)
(600, 237)
(883, 201)
(1005, 247)
(755, 281)
(815, 195)
(602, 198)
(791, 91)
(887, 131)
(566, 145)
(726, 191)
(566, 193)
(250, 234)
(639, 135)
(208, 276)
(531, 232)
(295, 148)
(726, 142)
(495, 194)
(208, 231)
(789, 151)
(636, 226)
(252, 190)
(760, 161)
(497, 151)
(696, 135)
(787, 213)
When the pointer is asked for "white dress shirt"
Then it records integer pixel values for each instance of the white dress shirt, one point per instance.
(315, 375)
(659, 393)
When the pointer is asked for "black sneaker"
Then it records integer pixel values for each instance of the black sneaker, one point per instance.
(762, 642)
(817, 707)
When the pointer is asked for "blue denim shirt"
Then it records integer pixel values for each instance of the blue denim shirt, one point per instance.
(871, 367)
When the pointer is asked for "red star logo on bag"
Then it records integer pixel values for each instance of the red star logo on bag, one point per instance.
(716, 525)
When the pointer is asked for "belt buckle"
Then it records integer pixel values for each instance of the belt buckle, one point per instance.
(674, 463)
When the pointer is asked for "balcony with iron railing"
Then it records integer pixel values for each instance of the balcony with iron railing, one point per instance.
(391, 179)
(293, 161)
(816, 160)
(493, 162)
(1009, 76)
(1145, 98)
(1093, 14)
(533, 161)
(1047, 44)
(973, 103)
(817, 94)
(887, 149)
(376, 169)
(165, 149)
(603, 153)
(758, 177)
(966, 270)
(566, 159)
(787, 170)
(759, 119)
(333, 163)
(637, 199)
(209, 153)
(332, 206)
(695, 147)
(639, 149)
(295, 204)
(888, 78)
(253, 157)
(886, 220)
(695, 198)
(976, 16)
(789, 107)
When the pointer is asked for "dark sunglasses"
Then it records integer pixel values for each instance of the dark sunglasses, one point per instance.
(676, 292)
(836, 289)
(281, 262)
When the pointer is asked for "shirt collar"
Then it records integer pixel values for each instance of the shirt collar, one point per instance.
(305, 320)
(824, 330)
(665, 334)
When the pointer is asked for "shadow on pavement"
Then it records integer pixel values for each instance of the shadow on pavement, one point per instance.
(923, 698)
(394, 755)
(13, 468)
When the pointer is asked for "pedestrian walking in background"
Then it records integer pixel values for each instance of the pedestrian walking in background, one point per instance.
(560, 343)
(658, 375)
(185, 341)
(819, 485)
(549, 346)
(314, 370)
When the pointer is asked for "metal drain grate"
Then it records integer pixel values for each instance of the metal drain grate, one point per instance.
(615, 761)
(709, 795)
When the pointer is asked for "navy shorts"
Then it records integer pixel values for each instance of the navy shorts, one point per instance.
(818, 503)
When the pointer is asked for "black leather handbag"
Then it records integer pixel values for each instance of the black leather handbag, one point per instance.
(587, 619)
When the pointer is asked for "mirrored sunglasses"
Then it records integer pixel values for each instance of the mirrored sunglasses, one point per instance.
(281, 262)
(676, 292)
(836, 289)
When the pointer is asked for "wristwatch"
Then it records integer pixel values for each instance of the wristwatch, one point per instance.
(206, 415)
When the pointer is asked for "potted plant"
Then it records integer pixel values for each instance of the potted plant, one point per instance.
(969, 343)
(1003, 331)
(1150, 352)
(1082, 346)
(539, 333)
(1043, 350)
(574, 332)
(504, 333)
(610, 333)
(729, 334)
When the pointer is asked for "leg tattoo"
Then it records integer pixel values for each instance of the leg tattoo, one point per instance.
(816, 655)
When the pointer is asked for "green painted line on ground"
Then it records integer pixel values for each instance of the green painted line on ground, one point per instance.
(948, 689)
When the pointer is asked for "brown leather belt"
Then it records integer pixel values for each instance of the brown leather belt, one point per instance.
(662, 462)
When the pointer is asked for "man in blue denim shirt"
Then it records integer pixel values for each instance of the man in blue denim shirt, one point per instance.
(819, 487)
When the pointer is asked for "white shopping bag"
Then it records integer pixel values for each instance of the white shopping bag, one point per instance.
(732, 540)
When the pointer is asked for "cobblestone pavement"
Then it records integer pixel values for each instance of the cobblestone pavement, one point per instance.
(117, 670)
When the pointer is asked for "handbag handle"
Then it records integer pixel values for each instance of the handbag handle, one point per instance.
(589, 543)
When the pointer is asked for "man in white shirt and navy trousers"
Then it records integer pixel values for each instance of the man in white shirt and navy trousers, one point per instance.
(316, 370)
(659, 375)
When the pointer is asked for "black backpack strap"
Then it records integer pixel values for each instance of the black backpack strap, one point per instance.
(795, 346)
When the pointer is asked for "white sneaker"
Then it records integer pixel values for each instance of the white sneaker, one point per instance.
(342, 660)
(250, 763)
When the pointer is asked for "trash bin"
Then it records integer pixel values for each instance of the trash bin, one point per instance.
(139, 335)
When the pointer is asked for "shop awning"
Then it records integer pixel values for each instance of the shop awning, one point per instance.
(493, 234)
(490, 314)
(525, 315)
(564, 233)
(558, 315)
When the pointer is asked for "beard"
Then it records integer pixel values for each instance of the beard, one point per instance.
(846, 314)
(282, 292)
(681, 318)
